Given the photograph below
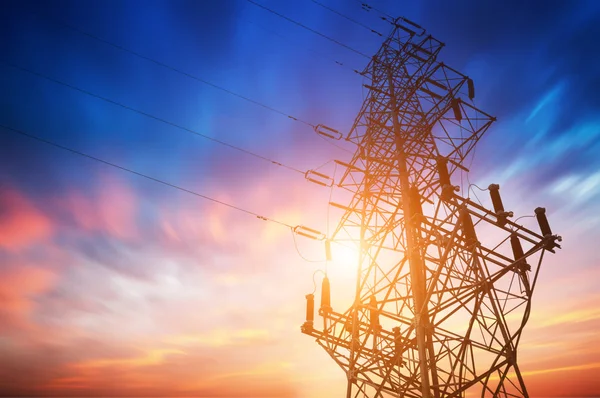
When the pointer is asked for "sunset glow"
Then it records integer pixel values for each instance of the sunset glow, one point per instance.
(112, 284)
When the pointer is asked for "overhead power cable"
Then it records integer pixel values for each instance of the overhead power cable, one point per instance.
(83, 154)
(347, 17)
(368, 7)
(295, 43)
(176, 70)
(309, 29)
(148, 115)
(201, 80)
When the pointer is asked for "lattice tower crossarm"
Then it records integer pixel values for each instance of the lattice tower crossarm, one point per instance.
(444, 285)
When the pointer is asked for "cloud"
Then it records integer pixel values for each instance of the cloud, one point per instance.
(21, 223)
(20, 284)
(149, 358)
(221, 338)
(564, 381)
(168, 372)
(112, 210)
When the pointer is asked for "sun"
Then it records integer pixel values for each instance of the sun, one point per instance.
(344, 260)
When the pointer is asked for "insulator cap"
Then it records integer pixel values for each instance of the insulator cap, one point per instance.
(325, 295)
(373, 313)
(327, 250)
(415, 201)
(456, 109)
(308, 232)
(442, 168)
(397, 339)
(327, 132)
(467, 227)
(348, 325)
(318, 178)
(494, 187)
(540, 214)
(398, 346)
(444, 176)
(518, 253)
(310, 308)
(471, 88)
(497, 202)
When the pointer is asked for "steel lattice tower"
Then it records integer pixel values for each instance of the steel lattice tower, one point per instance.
(444, 284)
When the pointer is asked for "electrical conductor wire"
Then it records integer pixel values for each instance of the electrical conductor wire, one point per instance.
(204, 81)
(97, 159)
(319, 53)
(339, 43)
(148, 115)
(368, 7)
(176, 70)
(347, 17)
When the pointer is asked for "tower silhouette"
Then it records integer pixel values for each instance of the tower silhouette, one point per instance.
(444, 285)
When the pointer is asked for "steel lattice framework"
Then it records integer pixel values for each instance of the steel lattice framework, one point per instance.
(444, 284)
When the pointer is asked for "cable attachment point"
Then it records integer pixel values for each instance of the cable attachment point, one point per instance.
(308, 232)
(328, 132)
(307, 327)
(406, 29)
(501, 214)
(549, 238)
(318, 178)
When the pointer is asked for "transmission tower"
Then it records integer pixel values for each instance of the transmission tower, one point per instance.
(444, 284)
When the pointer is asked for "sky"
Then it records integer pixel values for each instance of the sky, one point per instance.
(113, 284)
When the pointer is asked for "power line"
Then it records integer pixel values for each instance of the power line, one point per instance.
(201, 80)
(387, 17)
(368, 7)
(83, 154)
(162, 64)
(148, 115)
(319, 53)
(309, 29)
(347, 17)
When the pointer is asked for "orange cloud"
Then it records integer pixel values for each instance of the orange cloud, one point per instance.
(221, 338)
(18, 287)
(130, 375)
(595, 365)
(565, 381)
(21, 224)
(169, 372)
(150, 357)
(267, 379)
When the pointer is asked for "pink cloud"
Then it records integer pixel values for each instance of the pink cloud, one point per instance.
(196, 221)
(21, 224)
(113, 210)
(187, 223)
